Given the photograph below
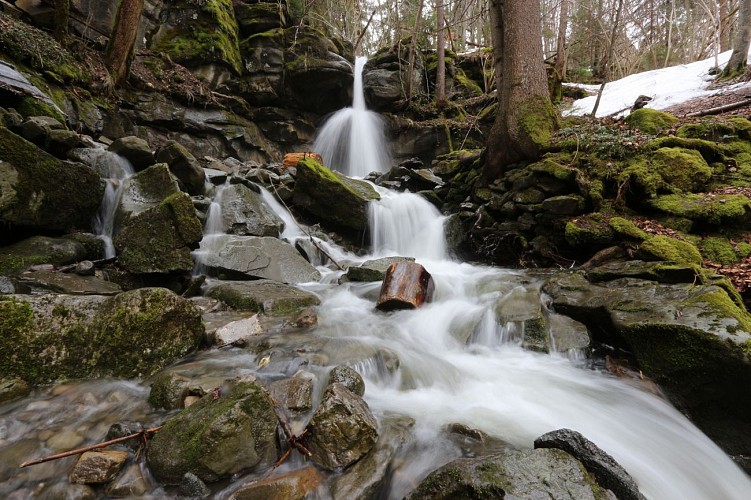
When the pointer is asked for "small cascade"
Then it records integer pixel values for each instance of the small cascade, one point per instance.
(292, 229)
(406, 224)
(212, 228)
(116, 170)
(352, 140)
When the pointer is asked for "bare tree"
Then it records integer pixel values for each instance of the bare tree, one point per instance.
(120, 47)
(559, 68)
(440, 72)
(742, 40)
(526, 117)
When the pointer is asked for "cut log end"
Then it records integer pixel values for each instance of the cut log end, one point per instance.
(291, 159)
(407, 285)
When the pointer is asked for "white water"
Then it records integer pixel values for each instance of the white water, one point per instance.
(116, 170)
(212, 228)
(352, 141)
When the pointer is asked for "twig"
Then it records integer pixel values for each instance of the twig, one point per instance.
(293, 440)
(362, 33)
(143, 434)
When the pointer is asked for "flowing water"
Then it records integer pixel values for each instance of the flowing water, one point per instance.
(116, 170)
(352, 141)
(212, 228)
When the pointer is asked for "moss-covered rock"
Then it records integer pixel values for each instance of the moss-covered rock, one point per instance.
(39, 191)
(589, 231)
(670, 250)
(317, 186)
(718, 249)
(184, 166)
(627, 229)
(160, 239)
(650, 121)
(711, 209)
(264, 296)
(258, 17)
(56, 337)
(684, 169)
(39, 250)
(218, 436)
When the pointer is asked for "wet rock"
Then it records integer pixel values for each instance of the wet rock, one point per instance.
(373, 270)
(131, 483)
(160, 239)
(256, 257)
(307, 318)
(192, 487)
(295, 394)
(316, 186)
(168, 390)
(245, 213)
(656, 271)
(295, 485)
(85, 268)
(69, 283)
(254, 18)
(237, 332)
(342, 429)
(184, 166)
(608, 473)
(566, 333)
(98, 467)
(64, 440)
(67, 491)
(348, 377)
(39, 250)
(13, 388)
(217, 437)
(122, 429)
(131, 335)
(42, 192)
(542, 473)
(146, 189)
(136, 150)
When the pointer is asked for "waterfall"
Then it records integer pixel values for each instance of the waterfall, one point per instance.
(212, 228)
(352, 140)
(115, 170)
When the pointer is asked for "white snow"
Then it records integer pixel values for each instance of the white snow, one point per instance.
(667, 87)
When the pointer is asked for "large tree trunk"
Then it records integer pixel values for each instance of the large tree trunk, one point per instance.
(122, 39)
(559, 68)
(742, 40)
(407, 285)
(725, 25)
(440, 71)
(413, 51)
(526, 117)
(62, 15)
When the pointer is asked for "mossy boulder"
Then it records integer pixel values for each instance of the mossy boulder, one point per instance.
(224, 433)
(50, 338)
(263, 296)
(719, 249)
(707, 208)
(627, 229)
(160, 239)
(39, 250)
(245, 213)
(671, 250)
(541, 473)
(317, 187)
(650, 121)
(42, 192)
(590, 231)
(134, 149)
(257, 17)
(684, 169)
(145, 190)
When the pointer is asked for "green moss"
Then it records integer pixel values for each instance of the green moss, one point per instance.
(684, 169)
(626, 228)
(744, 249)
(671, 250)
(589, 230)
(722, 305)
(640, 174)
(706, 208)
(650, 121)
(31, 106)
(472, 87)
(556, 165)
(538, 119)
(719, 250)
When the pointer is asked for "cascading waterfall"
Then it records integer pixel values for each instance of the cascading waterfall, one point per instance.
(352, 141)
(212, 228)
(116, 170)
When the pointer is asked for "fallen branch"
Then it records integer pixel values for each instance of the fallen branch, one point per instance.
(721, 109)
(144, 434)
(293, 440)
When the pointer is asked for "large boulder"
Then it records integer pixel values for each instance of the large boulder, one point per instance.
(317, 186)
(41, 192)
(251, 257)
(263, 57)
(184, 166)
(373, 270)
(342, 429)
(145, 190)
(385, 76)
(542, 473)
(39, 250)
(136, 150)
(262, 296)
(222, 434)
(160, 239)
(134, 334)
(244, 212)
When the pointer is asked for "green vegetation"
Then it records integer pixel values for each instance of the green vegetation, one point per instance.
(671, 250)
(650, 121)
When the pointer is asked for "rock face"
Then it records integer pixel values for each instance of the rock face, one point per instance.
(57, 337)
(41, 192)
(264, 296)
(216, 437)
(254, 257)
(184, 166)
(245, 213)
(160, 239)
(542, 473)
(136, 150)
(342, 429)
(607, 471)
(317, 186)
(39, 250)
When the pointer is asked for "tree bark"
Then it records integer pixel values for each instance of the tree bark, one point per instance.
(407, 285)
(611, 53)
(122, 40)
(725, 25)
(559, 68)
(440, 71)
(62, 15)
(526, 117)
(742, 40)
(413, 51)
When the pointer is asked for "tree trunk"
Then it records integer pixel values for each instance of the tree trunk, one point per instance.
(122, 40)
(62, 14)
(742, 40)
(611, 53)
(407, 285)
(559, 68)
(413, 51)
(725, 25)
(440, 71)
(526, 117)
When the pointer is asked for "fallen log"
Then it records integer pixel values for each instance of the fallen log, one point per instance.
(291, 159)
(407, 285)
(721, 109)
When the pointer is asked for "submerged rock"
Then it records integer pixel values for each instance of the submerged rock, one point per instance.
(294, 485)
(222, 434)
